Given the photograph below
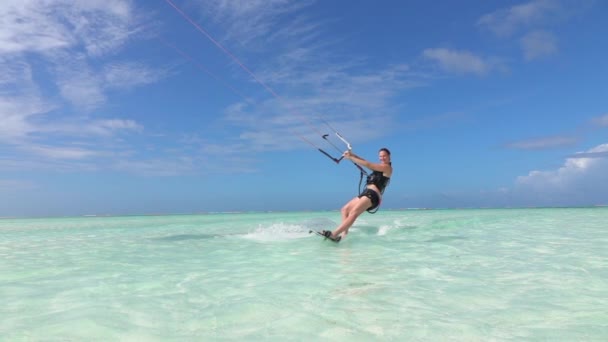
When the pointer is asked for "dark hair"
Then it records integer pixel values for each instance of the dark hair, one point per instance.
(385, 150)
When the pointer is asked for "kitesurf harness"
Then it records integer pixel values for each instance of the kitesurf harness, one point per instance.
(379, 180)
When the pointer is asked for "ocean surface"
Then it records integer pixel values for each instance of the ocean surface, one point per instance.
(411, 275)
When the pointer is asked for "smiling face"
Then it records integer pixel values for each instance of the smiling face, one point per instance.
(384, 156)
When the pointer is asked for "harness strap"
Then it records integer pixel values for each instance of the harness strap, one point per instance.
(361, 174)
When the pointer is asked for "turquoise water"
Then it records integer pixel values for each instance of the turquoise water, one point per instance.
(475, 275)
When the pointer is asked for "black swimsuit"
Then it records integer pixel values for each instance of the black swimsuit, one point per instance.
(373, 196)
(380, 181)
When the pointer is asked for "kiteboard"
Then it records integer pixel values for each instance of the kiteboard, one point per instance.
(336, 240)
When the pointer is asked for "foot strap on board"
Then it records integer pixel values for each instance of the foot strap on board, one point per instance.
(326, 234)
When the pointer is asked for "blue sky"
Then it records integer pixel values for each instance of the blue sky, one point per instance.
(126, 107)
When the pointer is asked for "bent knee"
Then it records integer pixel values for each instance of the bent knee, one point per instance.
(346, 208)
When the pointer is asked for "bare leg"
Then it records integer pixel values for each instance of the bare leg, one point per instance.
(350, 213)
(346, 211)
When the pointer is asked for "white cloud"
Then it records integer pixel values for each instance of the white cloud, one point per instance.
(15, 115)
(347, 99)
(117, 124)
(458, 61)
(505, 22)
(312, 83)
(300, 28)
(66, 37)
(54, 152)
(19, 99)
(91, 128)
(581, 180)
(532, 20)
(538, 44)
(127, 75)
(29, 26)
(80, 85)
(247, 20)
(14, 71)
(98, 26)
(86, 88)
(104, 26)
(54, 71)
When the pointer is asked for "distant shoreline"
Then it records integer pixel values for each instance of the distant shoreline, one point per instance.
(289, 211)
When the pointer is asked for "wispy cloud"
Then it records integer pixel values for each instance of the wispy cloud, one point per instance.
(314, 86)
(92, 128)
(79, 84)
(55, 152)
(340, 96)
(543, 143)
(531, 23)
(460, 61)
(248, 21)
(30, 26)
(14, 71)
(99, 27)
(16, 114)
(538, 44)
(601, 121)
(57, 64)
(505, 22)
(126, 75)
(106, 127)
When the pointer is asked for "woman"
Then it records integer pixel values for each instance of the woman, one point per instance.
(370, 198)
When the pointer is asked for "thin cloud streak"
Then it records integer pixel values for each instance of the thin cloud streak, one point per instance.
(79, 85)
(603, 154)
(507, 21)
(15, 115)
(92, 129)
(54, 152)
(544, 143)
(247, 21)
(127, 75)
(348, 100)
(600, 121)
(459, 61)
(538, 44)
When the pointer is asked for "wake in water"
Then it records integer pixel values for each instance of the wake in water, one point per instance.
(373, 227)
(282, 231)
(288, 231)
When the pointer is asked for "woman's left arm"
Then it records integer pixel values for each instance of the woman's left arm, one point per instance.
(384, 168)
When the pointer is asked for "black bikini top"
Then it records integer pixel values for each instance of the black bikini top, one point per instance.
(379, 180)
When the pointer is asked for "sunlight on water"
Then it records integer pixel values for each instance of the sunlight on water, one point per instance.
(535, 274)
